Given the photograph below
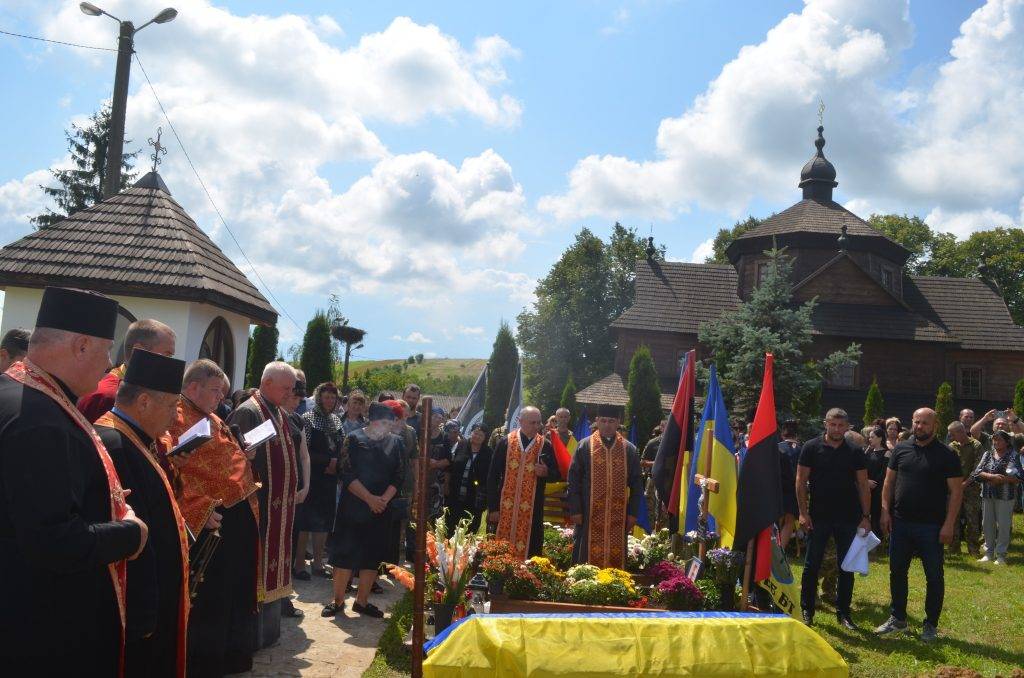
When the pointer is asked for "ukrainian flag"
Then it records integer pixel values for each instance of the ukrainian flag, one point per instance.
(713, 458)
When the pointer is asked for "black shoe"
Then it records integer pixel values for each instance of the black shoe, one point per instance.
(302, 575)
(369, 610)
(808, 617)
(289, 610)
(847, 623)
(350, 589)
(376, 588)
(332, 609)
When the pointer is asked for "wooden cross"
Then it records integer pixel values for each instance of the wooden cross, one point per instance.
(706, 485)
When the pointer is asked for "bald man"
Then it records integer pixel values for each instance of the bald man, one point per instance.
(920, 504)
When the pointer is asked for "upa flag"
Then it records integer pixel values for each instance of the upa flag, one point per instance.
(515, 401)
(562, 457)
(676, 446)
(760, 484)
(714, 459)
(472, 411)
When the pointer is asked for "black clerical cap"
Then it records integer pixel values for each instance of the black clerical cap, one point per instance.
(78, 311)
(154, 371)
(380, 411)
(609, 411)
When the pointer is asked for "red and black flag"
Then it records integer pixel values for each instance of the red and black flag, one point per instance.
(759, 495)
(676, 448)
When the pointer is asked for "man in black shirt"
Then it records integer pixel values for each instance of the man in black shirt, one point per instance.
(920, 504)
(834, 474)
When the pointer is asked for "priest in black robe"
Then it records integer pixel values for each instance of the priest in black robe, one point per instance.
(605, 491)
(145, 405)
(518, 455)
(65, 530)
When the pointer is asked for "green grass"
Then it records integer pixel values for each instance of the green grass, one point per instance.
(393, 659)
(982, 624)
(439, 368)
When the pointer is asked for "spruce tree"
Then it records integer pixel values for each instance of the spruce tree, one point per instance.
(644, 395)
(874, 405)
(81, 185)
(501, 373)
(264, 348)
(1018, 398)
(568, 400)
(769, 321)
(943, 409)
(316, 356)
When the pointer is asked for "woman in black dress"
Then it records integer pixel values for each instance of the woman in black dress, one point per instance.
(322, 431)
(468, 479)
(371, 473)
(876, 458)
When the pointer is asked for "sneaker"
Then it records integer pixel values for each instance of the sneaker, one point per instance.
(891, 625)
(929, 633)
(1000, 561)
(846, 622)
(808, 617)
(984, 559)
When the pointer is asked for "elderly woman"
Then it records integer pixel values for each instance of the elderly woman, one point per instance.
(893, 432)
(468, 480)
(371, 473)
(999, 472)
(321, 429)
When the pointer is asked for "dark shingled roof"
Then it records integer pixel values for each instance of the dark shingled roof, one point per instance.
(610, 391)
(141, 243)
(678, 297)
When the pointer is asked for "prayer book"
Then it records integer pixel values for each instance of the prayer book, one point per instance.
(196, 436)
(260, 434)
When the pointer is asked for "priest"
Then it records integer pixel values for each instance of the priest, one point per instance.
(275, 464)
(65, 529)
(217, 494)
(522, 463)
(605, 491)
(157, 593)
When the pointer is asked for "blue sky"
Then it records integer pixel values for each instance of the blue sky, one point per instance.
(429, 162)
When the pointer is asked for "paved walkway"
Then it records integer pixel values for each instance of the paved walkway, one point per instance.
(315, 646)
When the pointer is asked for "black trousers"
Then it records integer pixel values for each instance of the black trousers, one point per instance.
(823, 530)
(222, 624)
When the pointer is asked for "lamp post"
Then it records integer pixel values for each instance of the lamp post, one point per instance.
(118, 106)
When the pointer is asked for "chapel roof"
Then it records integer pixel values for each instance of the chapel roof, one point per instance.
(141, 243)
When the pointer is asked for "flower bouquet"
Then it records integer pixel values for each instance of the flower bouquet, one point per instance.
(453, 557)
(558, 545)
(679, 593)
(588, 585)
(496, 562)
(726, 566)
(652, 548)
(552, 580)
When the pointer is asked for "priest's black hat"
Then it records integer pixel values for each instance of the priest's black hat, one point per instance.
(379, 411)
(78, 311)
(154, 371)
(609, 411)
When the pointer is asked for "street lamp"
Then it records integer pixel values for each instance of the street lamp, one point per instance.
(125, 49)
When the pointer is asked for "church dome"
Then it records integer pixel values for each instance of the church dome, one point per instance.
(818, 177)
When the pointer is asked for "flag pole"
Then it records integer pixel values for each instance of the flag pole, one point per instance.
(747, 567)
(419, 560)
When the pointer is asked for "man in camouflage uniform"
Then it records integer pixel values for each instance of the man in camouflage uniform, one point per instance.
(968, 527)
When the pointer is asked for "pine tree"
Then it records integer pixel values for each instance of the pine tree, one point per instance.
(644, 403)
(568, 400)
(316, 358)
(943, 409)
(874, 405)
(81, 186)
(501, 373)
(264, 348)
(1018, 397)
(769, 321)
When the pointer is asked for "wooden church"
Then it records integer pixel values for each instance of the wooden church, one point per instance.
(915, 332)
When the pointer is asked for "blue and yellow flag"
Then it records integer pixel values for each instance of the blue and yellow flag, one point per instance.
(714, 459)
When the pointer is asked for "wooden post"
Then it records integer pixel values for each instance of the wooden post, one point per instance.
(747, 567)
(420, 498)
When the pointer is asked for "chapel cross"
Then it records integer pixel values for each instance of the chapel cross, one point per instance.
(821, 112)
(706, 485)
(158, 148)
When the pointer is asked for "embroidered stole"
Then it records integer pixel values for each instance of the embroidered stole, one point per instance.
(515, 516)
(111, 420)
(280, 485)
(27, 374)
(606, 524)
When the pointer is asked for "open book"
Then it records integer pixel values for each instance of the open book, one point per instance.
(259, 435)
(192, 438)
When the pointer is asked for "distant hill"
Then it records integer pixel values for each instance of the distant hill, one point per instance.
(448, 376)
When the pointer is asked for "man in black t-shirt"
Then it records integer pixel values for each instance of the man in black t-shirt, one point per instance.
(920, 504)
(835, 476)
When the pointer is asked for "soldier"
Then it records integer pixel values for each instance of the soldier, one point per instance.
(968, 527)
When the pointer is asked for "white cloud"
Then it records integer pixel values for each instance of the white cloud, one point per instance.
(472, 331)
(21, 199)
(703, 251)
(619, 20)
(956, 143)
(962, 224)
(413, 338)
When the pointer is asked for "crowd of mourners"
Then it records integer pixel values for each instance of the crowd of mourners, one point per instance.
(168, 515)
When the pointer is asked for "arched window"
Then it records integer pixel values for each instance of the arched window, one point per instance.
(124, 319)
(219, 347)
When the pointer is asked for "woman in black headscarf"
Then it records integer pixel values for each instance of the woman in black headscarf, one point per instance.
(468, 480)
(322, 431)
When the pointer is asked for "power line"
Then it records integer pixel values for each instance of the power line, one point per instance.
(57, 42)
(210, 197)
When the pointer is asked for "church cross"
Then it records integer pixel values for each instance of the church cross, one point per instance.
(158, 148)
(821, 112)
